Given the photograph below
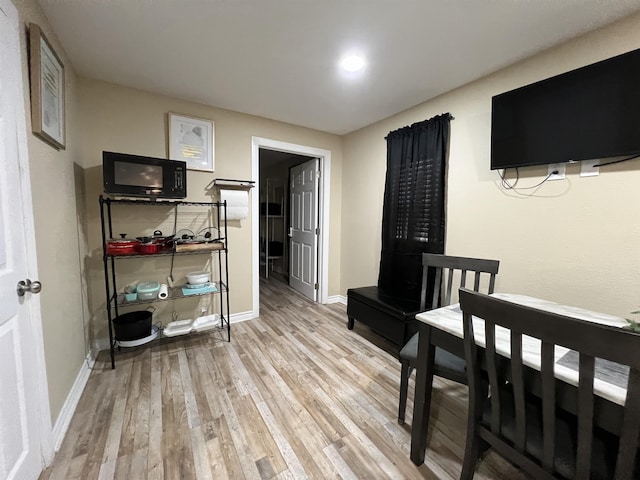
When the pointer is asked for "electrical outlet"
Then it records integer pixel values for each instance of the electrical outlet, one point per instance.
(560, 168)
(588, 168)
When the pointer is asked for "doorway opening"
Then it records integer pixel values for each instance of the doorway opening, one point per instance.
(275, 211)
(272, 163)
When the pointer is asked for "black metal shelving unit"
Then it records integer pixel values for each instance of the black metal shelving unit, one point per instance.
(115, 300)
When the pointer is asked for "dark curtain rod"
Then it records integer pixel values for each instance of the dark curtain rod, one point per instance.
(421, 123)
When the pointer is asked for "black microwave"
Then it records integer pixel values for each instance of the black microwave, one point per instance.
(135, 175)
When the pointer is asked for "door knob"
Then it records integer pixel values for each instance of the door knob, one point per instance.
(27, 285)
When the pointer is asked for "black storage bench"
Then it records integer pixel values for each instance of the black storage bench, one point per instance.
(386, 314)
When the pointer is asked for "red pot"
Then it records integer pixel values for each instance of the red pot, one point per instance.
(122, 246)
(164, 242)
(148, 248)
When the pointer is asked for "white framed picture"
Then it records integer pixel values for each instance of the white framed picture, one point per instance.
(47, 89)
(191, 140)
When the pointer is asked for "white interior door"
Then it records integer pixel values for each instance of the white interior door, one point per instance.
(303, 264)
(21, 390)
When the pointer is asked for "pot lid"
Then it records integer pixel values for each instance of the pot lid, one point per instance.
(123, 239)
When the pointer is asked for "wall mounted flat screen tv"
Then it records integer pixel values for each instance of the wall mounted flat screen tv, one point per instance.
(589, 113)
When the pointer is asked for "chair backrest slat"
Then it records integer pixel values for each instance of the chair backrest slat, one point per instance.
(492, 370)
(548, 406)
(463, 277)
(492, 284)
(475, 387)
(435, 300)
(585, 417)
(517, 380)
(450, 273)
(423, 291)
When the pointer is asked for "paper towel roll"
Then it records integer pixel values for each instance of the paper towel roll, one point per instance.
(164, 291)
(237, 203)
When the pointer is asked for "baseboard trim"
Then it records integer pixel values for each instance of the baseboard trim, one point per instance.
(242, 316)
(337, 299)
(68, 409)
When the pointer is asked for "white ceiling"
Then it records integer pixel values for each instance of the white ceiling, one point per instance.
(278, 58)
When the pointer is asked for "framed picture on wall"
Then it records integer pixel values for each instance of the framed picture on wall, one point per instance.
(46, 73)
(191, 140)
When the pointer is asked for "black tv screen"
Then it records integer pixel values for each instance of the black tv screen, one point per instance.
(589, 113)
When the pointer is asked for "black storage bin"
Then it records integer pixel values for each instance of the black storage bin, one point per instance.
(132, 325)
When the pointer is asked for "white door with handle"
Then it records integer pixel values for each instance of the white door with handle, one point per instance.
(23, 391)
(303, 262)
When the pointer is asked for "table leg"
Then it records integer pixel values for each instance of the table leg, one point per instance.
(422, 399)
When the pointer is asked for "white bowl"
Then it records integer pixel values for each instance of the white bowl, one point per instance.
(198, 278)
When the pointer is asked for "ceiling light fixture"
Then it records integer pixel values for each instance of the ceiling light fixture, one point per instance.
(352, 63)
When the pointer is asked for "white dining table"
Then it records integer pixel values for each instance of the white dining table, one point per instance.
(443, 328)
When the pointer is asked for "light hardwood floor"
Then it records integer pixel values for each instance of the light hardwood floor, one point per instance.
(294, 395)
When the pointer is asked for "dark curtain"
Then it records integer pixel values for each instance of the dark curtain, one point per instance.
(413, 220)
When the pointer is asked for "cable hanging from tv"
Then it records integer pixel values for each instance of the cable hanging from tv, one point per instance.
(620, 160)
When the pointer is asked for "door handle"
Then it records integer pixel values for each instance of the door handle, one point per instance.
(27, 285)
(291, 231)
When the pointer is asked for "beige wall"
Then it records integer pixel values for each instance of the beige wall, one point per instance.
(57, 199)
(126, 120)
(573, 241)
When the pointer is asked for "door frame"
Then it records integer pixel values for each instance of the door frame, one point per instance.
(323, 214)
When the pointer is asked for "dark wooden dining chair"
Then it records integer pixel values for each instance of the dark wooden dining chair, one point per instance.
(450, 274)
(532, 431)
